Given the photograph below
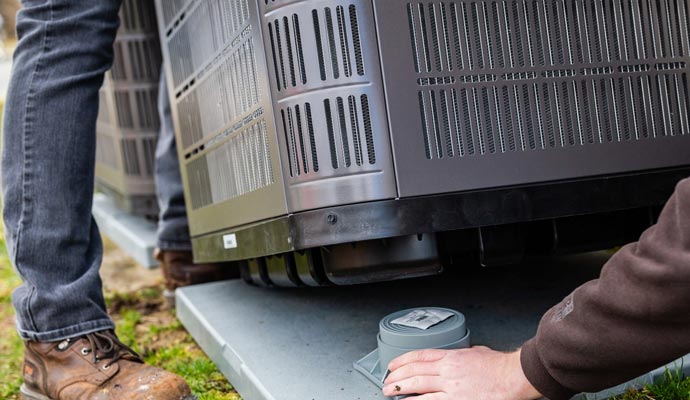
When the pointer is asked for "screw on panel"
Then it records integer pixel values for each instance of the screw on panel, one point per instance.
(332, 219)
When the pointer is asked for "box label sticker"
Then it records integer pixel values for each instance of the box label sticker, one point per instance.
(423, 318)
(230, 241)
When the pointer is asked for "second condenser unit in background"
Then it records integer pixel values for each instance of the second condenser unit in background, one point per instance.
(313, 132)
(128, 122)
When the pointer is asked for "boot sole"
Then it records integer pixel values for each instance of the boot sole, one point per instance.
(27, 394)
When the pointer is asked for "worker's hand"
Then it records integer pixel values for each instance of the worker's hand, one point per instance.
(478, 373)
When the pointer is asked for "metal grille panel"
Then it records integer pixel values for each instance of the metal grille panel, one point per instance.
(222, 107)
(224, 94)
(489, 36)
(560, 73)
(172, 10)
(240, 165)
(330, 111)
(209, 27)
(477, 121)
(486, 92)
(335, 33)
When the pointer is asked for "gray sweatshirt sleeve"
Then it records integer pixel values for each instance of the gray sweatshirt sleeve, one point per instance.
(634, 318)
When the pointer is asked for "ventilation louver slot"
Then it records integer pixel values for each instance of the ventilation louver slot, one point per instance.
(225, 94)
(350, 135)
(137, 108)
(119, 70)
(149, 150)
(195, 43)
(147, 108)
(493, 35)
(138, 16)
(288, 51)
(137, 60)
(146, 56)
(558, 114)
(123, 105)
(500, 76)
(130, 157)
(239, 166)
(298, 127)
(337, 40)
(138, 156)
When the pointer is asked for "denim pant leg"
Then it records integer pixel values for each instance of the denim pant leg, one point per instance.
(173, 228)
(64, 48)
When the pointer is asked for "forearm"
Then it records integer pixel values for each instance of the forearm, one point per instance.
(524, 390)
(634, 318)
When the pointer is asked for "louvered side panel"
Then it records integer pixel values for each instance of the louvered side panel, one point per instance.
(326, 81)
(217, 75)
(494, 78)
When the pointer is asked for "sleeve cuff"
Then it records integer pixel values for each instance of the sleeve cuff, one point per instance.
(539, 376)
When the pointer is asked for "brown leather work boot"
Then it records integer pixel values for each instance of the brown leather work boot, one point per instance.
(96, 366)
(179, 270)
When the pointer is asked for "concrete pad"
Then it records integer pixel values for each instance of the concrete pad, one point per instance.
(297, 344)
(135, 235)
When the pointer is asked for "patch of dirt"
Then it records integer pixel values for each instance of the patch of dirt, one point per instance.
(122, 274)
(149, 303)
(165, 339)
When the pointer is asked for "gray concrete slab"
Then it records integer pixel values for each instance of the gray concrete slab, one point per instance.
(135, 235)
(297, 344)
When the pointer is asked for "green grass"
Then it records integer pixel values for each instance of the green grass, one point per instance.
(674, 386)
(177, 353)
(11, 346)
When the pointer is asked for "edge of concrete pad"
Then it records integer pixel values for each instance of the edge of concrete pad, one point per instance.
(218, 350)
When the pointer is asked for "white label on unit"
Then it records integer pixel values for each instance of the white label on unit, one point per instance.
(230, 241)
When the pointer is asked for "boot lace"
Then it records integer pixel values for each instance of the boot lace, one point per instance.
(106, 346)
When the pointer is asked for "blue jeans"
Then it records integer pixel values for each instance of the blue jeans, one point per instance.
(64, 49)
(173, 228)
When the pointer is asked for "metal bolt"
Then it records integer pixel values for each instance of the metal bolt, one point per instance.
(332, 219)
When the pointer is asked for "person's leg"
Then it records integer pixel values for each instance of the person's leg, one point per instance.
(65, 47)
(173, 228)
(174, 243)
